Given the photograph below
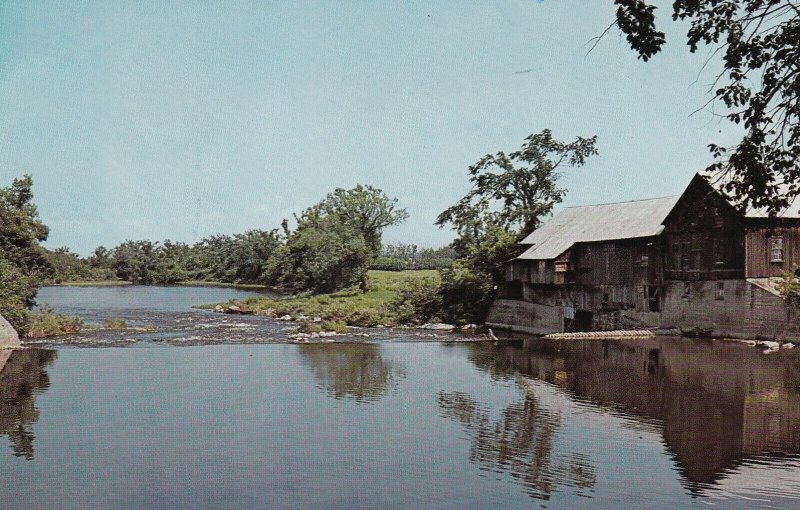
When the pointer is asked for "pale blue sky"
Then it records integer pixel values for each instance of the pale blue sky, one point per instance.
(179, 120)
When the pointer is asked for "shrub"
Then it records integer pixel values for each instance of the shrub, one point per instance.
(390, 264)
(417, 302)
(46, 324)
(466, 294)
(309, 327)
(335, 326)
(115, 324)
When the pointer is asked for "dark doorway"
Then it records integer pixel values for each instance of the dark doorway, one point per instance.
(582, 321)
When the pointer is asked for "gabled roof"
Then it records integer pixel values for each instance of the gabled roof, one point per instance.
(604, 222)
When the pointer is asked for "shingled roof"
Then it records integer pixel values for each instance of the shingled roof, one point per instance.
(603, 222)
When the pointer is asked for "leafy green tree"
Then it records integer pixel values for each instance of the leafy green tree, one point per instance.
(364, 209)
(21, 230)
(101, 258)
(17, 294)
(509, 197)
(759, 85)
(23, 262)
(321, 255)
(468, 287)
(170, 265)
(135, 261)
(514, 191)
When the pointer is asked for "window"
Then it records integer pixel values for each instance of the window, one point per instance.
(719, 252)
(687, 290)
(686, 256)
(720, 292)
(651, 293)
(776, 249)
(609, 253)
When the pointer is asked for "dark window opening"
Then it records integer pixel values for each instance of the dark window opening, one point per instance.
(720, 292)
(653, 301)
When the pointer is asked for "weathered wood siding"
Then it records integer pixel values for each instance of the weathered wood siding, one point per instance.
(703, 237)
(759, 259)
(624, 262)
(530, 271)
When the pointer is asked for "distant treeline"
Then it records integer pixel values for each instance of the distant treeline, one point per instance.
(240, 258)
(332, 246)
(401, 257)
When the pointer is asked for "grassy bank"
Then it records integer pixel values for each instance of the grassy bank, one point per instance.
(350, 306)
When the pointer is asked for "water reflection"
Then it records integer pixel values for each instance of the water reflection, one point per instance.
(718, 404)
(520, 442)
(23, 375)
(354, 371)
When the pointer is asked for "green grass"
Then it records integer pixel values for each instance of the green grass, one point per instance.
(350, 306)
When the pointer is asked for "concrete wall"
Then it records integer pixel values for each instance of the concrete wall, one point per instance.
(740, 309)
(730, 308)
(525, 317)
(8, 336)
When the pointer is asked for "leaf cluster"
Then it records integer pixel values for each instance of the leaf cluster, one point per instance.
(759, 86)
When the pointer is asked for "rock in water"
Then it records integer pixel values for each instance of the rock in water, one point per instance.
(438, 326)
(8, 335)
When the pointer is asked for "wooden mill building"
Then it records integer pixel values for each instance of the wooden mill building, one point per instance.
(691, 261)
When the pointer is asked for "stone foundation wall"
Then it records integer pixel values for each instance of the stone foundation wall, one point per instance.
(737, 309)
(525, 317)
(732, 308)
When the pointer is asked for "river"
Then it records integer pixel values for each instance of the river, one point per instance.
(240, 419)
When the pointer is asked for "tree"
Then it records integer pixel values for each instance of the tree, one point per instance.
(366, 210)
(759, 84)
(17, 293)
(23, 262)
(321, 255)
(21, 230)
(510, 194)
(135, 261)
(514, 191)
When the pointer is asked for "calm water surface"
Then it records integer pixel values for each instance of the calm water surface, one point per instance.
(647, 423)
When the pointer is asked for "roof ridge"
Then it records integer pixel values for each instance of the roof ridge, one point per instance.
(620, 202)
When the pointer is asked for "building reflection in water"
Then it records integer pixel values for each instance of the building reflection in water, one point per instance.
(353, 371)
(717, 403)
(23, 375)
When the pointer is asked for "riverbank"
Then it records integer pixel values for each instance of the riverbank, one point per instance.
(351, 306)
(188, 283)
(91, 283)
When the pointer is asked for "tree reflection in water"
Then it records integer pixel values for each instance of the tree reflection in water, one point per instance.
(349, 370)
(22, 377)
(520, 443)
